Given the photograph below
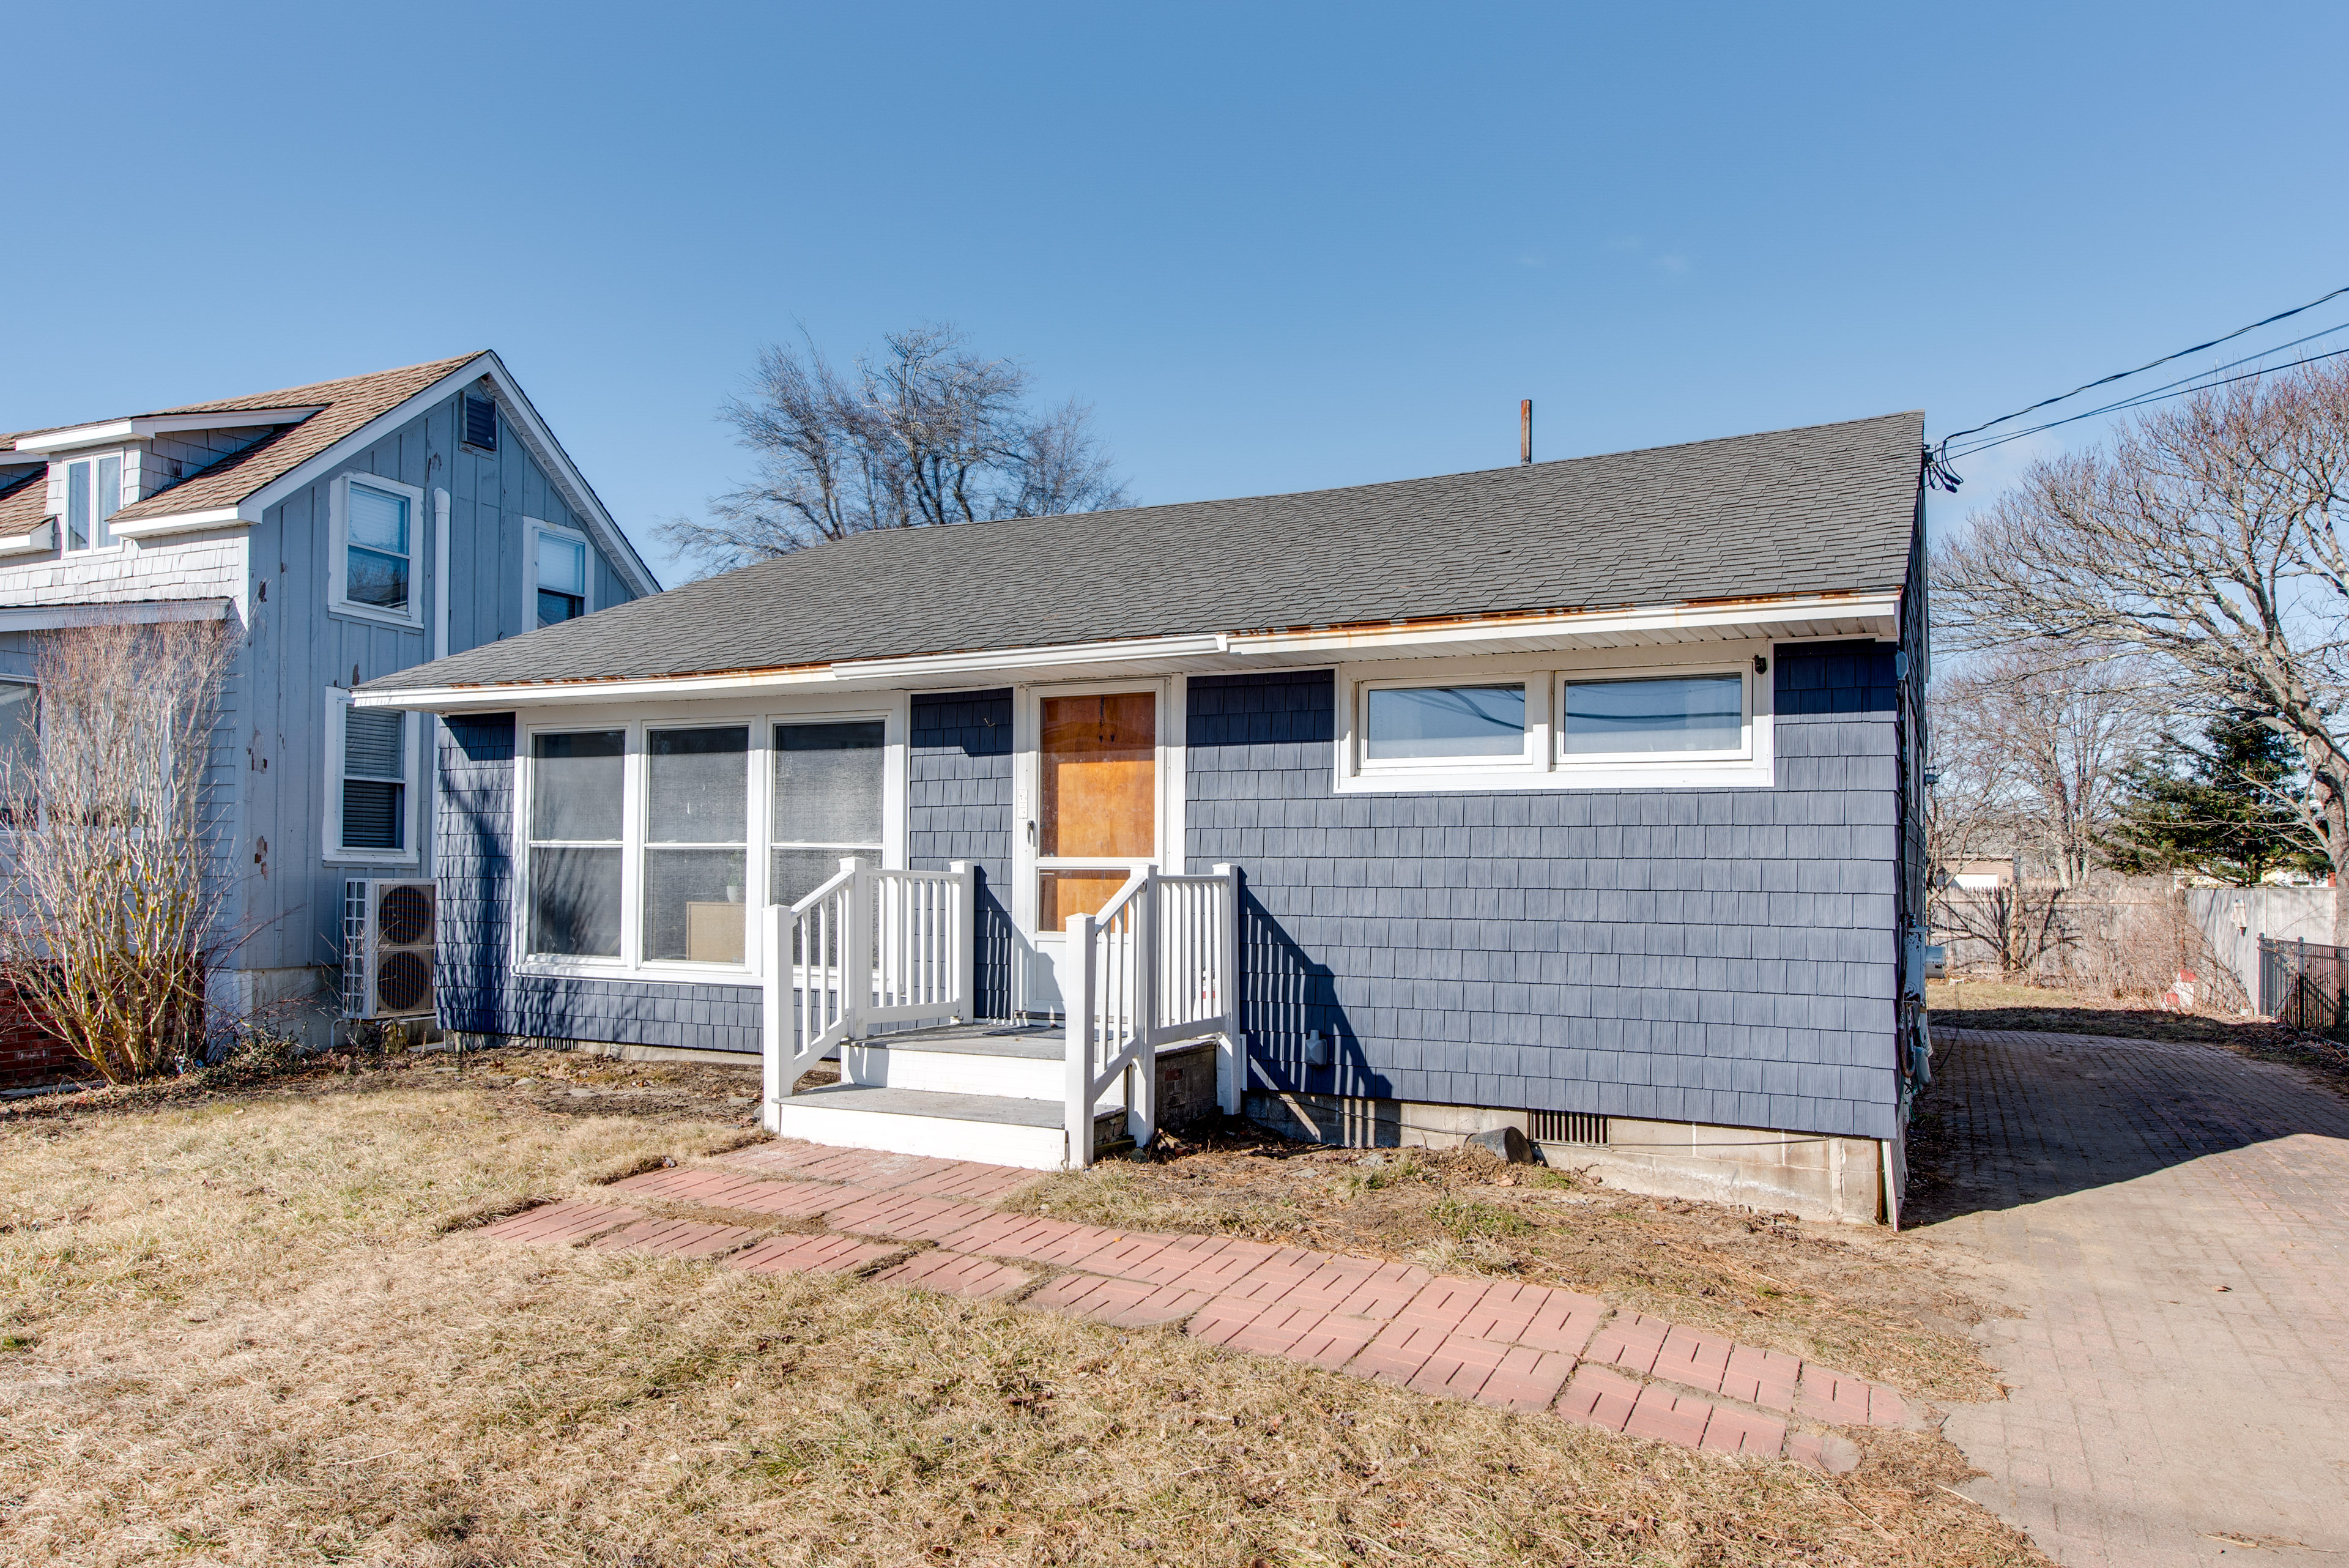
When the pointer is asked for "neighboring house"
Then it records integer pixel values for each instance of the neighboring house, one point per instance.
(1580, 797)
(343, 531)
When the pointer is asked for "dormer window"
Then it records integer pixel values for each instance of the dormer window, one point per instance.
(93, 495)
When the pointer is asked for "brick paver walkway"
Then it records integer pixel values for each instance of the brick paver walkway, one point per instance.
(2173, 1223)
(925, 1224)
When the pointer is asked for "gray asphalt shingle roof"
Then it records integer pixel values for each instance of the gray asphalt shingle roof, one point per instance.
(1824, 509)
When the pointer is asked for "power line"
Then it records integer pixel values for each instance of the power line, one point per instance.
(2150, 364)
(2192, 383)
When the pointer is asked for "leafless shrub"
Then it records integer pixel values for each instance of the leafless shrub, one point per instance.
(110, 927)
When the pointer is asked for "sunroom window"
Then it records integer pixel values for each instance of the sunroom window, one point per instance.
(827, 803)
(578, 781)
(1444, 724)
(1650, 715)
(697, 844)
(20, 753)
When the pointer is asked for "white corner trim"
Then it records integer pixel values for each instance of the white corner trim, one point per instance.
(140, 426)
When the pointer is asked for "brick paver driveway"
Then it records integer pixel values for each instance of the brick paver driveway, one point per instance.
(2173, 1226)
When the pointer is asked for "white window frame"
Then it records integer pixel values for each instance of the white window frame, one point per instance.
(1752, 766)
(9, 828)
(333, 851)
(65, 467)
(531, 528)
(636, 720)
(338, 508)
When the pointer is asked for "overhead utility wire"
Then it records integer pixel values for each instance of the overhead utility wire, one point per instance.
(2136, 398)
(2141, 369)
(1937, 457)
(2153, 397)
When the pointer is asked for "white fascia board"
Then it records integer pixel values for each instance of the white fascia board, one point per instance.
(1850, 615)
(137, 612)
(144, 425)
(188, 522)
(1877, 611)
(536, 439)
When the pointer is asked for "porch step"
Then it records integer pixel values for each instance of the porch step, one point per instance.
(997, 1129)
(1016, 1061)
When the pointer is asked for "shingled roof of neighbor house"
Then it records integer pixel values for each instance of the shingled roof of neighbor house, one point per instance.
(343, 407)
(1827, 509)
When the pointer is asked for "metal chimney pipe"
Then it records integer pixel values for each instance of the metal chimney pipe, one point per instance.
(1525, 431)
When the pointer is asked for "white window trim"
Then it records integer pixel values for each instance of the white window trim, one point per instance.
(338, 508)
(635, 720)
(63, 469)
(333, 850)
(531, 528)
(1544, 767)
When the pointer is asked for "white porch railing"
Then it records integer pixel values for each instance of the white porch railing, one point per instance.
(1158, 965)
(869, 947)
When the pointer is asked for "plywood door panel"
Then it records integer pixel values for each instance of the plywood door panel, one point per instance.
(1098, 760)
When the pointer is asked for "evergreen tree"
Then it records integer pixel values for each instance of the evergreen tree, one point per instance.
(2228, 815)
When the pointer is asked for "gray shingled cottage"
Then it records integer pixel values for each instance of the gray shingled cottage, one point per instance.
(1582, 797)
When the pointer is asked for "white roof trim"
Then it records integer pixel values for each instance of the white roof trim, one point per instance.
(135, 612)
(182, 523)
(1801, 617)
(144, 425)
(537, 440)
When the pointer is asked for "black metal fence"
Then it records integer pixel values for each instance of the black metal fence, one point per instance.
(2304, 984)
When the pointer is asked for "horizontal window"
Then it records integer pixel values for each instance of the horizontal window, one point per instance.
(1422, 723)
(1676, 714)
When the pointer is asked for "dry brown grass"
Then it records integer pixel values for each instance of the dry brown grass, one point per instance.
(1896, 1308)
(236, 1331)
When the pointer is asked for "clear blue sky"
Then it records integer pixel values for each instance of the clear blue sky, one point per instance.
(1279, 247)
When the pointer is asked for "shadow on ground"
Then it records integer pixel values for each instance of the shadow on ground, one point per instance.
(2016, 1117)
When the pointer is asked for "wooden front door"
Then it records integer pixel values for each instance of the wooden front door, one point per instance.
(1096, 814)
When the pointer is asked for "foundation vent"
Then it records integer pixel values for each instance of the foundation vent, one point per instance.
(1564, 1126)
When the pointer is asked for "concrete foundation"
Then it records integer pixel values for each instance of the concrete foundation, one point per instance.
(1814, 1176)
(616, 1052)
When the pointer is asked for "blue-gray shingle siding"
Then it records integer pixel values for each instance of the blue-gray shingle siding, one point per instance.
(1714, 956)
(958, 807)
(480, 993)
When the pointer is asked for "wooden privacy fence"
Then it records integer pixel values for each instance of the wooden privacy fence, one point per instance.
(2302, 984)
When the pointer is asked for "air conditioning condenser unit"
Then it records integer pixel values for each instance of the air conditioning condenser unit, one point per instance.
(389, 929)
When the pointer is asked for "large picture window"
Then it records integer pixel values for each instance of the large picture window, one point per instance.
(827, 803)
(577, 823)
(1618, 719)
(697, 844)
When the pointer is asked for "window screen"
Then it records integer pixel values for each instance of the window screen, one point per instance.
(1678, 713)
(696, 832)
(374, 779)
(481, 423)
(375, 559)
(1440, 722)
(561, 579)
(577, 785)
(827, 803)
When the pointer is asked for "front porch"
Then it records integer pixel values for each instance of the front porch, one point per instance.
(878, 968)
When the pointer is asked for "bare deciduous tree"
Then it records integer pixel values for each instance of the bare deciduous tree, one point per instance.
(110, 924)
(2211, 539)
(928, 433)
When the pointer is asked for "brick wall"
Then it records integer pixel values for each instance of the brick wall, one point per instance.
(30, 1054)
(1715, 955)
